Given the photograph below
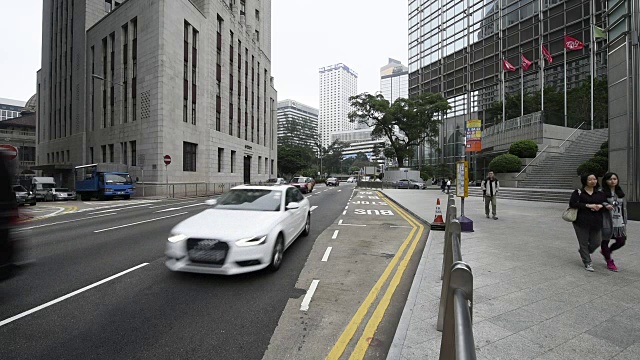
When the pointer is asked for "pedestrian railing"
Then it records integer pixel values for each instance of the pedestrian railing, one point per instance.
(178, 190)
(456, 297)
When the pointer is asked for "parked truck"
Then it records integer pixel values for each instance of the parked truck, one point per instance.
(103, 181)
(42, 186)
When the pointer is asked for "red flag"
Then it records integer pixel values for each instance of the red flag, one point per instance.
(506, 66)
(547, 54)
(525, 63)
(572, 44)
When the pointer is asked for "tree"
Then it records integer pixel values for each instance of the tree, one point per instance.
(417, 119)
(293, 159)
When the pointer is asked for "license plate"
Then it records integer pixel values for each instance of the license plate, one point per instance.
(207, 255)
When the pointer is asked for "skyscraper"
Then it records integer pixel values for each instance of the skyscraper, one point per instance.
(297, 124)
(394, 80)
(337, 84)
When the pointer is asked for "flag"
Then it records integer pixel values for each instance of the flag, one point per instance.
(525, 63)
(547, 54)
(572, 44)
(506, 66)
(599, 32)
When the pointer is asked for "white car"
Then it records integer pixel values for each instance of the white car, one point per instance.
(246, 229)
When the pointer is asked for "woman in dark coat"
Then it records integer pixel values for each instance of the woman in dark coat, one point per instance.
(588, 225)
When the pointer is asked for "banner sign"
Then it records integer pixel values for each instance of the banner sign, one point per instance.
(474, 136)
(462, 179)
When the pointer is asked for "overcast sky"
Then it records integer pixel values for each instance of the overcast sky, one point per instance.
(306, 35)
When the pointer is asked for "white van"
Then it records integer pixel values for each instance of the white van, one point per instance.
(43, 187)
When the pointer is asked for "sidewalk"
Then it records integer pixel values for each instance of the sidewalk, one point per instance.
(532, 297)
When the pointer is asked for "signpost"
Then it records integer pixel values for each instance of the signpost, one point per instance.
(167, 161)
(10, 151)
(462, 191)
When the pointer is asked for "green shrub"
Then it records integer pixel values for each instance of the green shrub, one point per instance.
(602, 153)
(591, 167)
(506, 163)
(524, 149)
(605, 145)
(602, 161)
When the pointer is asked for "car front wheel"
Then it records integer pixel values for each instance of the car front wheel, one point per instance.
(307, 226)
(277, 254)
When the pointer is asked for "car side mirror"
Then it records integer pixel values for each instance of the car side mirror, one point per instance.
(211, 202)
(293, 205)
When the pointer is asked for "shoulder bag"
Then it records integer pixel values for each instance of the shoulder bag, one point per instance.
(571, 214)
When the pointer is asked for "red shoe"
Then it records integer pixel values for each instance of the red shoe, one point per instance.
(611, 265)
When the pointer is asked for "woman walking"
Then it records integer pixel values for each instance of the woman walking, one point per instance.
(615, 219)
(588, 225)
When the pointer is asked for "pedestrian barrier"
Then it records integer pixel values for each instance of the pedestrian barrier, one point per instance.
(456, 297)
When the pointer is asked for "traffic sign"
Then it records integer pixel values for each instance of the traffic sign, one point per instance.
(167, 159)
(9, 150)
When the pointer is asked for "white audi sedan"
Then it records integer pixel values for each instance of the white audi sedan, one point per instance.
(246, 229)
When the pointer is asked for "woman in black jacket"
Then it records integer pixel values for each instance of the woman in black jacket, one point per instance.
(588, 225)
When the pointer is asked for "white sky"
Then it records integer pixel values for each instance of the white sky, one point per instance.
(306, 35)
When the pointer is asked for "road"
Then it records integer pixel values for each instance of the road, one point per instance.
(99, 288)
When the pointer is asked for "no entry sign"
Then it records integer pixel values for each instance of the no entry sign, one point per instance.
(167, 159)
(9, 151)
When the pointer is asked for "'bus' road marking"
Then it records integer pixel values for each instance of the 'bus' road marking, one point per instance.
(335, 234)
(63, 222)
(326, 254)
(340, 223)
(307, 298)
(178, 208)
(140, 222)
(313, 208)
(52, 302)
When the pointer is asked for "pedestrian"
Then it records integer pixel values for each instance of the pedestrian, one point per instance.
(615, 218)
(443, 185)
(490, 188)
(448, 185)
(588, 225)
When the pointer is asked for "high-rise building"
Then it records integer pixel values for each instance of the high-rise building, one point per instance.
(108, 89)
(10, 108)
(297, 124)
(394, 80)
(337, 83)
(456, 48)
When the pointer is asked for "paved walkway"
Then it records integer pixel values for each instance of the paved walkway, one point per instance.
(532, 297)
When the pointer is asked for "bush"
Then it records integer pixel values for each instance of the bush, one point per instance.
(506, 163)
(524, 149)
(592, 166)
(602, 153)
(605, 145)
(602, 161)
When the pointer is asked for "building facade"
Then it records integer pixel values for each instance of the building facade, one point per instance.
(337, 83)
(456, 48)
(297, 124)
(129, 82)
(10, 108)
(394, 80)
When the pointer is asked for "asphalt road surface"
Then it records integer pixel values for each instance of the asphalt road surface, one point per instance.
(99, 288)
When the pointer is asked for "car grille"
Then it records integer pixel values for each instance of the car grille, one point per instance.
(207, 251)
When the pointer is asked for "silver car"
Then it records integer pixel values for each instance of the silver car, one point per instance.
(63, 194)
(24, 196)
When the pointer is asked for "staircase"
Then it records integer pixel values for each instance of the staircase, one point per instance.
(540, 195)
(558, 171)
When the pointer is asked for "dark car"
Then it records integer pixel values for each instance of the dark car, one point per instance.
(305, 184)
(24, 196)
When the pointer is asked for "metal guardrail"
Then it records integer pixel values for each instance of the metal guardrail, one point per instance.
(456, 298)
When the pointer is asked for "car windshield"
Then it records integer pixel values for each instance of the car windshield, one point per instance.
(48, 186)
(116, 179)
(298, 179)
(19, 188)
(250, 199)
(61, 189)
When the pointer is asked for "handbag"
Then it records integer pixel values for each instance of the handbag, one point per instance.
(571, 214)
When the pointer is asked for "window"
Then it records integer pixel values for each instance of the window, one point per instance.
(125, 35)
(104, 153)
(220, 157)
(108, 5)
(193, 113)
(257, 36)
(257, 15)
(184, 110)
(218, 122)
(125, 155)
(259, 163)
(242, 7)
(91, 155)
(134, 57)
(111, 153)
(189, 153)
(233, 161)
(134, 153)
(271, 167)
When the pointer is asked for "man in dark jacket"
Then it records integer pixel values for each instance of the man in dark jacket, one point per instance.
(490, 187)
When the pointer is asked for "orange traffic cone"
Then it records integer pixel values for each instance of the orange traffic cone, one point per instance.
(438, 222)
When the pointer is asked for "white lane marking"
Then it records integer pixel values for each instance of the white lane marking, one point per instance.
(307, 298)
(326, 254)
(63, 222)
(399, 226)
(52, 302)
(346, 207)
(60, 209)
(126, 208)
(313, 208)
(335, 234)
(339, 190)
(344, 212)
(340, 223)
(140, 222)
(178, 208)
(173, 204)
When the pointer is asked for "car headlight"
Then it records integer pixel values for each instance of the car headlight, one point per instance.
(258, 240)
(177, 238)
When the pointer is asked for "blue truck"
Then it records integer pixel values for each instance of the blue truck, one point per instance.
(103, 181)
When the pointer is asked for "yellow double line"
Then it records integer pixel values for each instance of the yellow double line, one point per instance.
(372, 325)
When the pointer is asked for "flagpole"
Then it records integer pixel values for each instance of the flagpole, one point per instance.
(521, 87)
(592, 53)
(565, 81)
(541, 58)
(504, 98)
